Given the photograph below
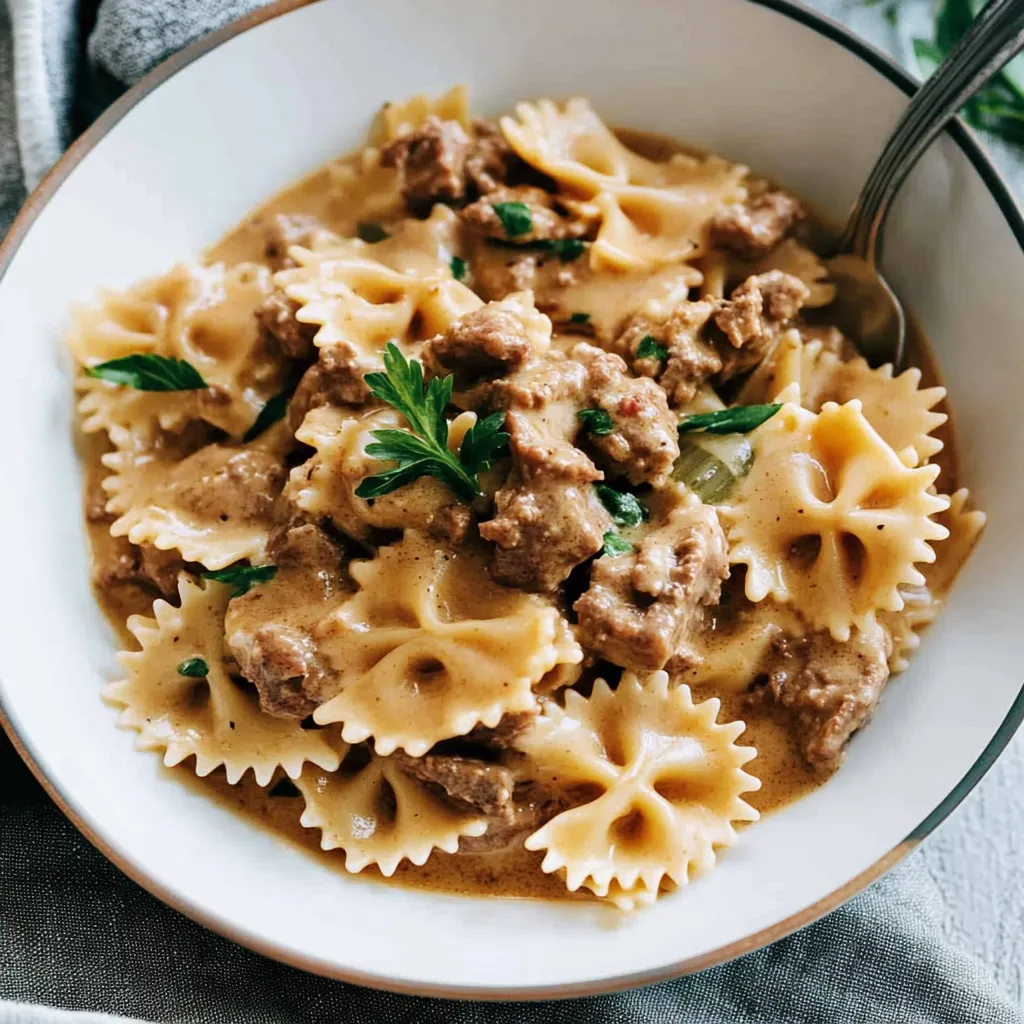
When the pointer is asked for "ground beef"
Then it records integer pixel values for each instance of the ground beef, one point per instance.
(690, 360)
(476, 785)
(269, 629)
(548, 219)
(540, 384)
(228, 484)
(751, 318)
(548, 519)
(277, 659)
(116, 560)
(490, 158)
(284, 231)
(277, 322)
(751, 231)
(532, 806)
(336, 378)
(489, 342)
(431, 163)
(299, 543)
(830, 688)
(640, 605)
(451, 523)
(832, 340)
(504, 735)
(645, 442)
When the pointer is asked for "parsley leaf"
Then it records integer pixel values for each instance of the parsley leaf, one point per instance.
(242, 577)
(515, 218)
(485, 442)
(367, 231)
(566, 249)
(596, 421)
(193, 668)
(458, 265)
(273, 411)
(615, 545)
(650, 348)
(146, 371)
(579, 318)
(623, 507)
(424, 450)
(739, 420)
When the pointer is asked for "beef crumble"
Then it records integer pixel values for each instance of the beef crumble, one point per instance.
(640, 605)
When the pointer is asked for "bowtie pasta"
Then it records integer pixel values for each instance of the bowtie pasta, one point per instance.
(499, 509)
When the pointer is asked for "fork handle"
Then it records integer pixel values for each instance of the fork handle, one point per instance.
(995, 36)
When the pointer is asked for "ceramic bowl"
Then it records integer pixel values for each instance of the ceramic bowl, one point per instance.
(231, 120)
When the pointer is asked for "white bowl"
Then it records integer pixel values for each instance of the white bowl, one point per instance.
(187, 152)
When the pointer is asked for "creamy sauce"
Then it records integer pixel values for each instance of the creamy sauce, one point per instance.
(778, 765)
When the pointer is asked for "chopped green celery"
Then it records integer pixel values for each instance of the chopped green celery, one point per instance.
(710, 464)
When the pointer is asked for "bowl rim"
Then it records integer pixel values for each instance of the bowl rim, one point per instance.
(1000, 191)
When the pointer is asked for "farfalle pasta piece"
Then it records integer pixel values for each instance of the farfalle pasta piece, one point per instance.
(325, 485)
(965, 525)
(667, 783)
(829, 519)
(202, 314)
(419, 248)
(430, 646)
(216, 505)
(920, 609)
(379, 815)
(651, 213)
(397, 119)
(213, 718)
(361, 304)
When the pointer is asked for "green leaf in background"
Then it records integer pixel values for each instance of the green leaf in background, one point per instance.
(146, 371)
(458, 265)
(998, 107)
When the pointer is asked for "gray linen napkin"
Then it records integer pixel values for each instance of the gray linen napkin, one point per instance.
(76, 934)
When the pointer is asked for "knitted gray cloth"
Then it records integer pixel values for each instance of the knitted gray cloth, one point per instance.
(78, 935)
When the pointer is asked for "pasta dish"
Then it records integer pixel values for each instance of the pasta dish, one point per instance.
(499, 507)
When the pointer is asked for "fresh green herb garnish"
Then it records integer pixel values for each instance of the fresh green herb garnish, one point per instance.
(146, 371)
(739, 420)
(580, 318)
(999, 106)
(458, 265)
(370, 232)
(623, 507)
(273, 411)
(242, 577)
(515, 218)
(194, 668)
(596, 421)
(566, 249)
(284, 788)
(423, 450)
(651, 348)
(615, 545)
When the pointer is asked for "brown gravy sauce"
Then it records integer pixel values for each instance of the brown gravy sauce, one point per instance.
(517, 874)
